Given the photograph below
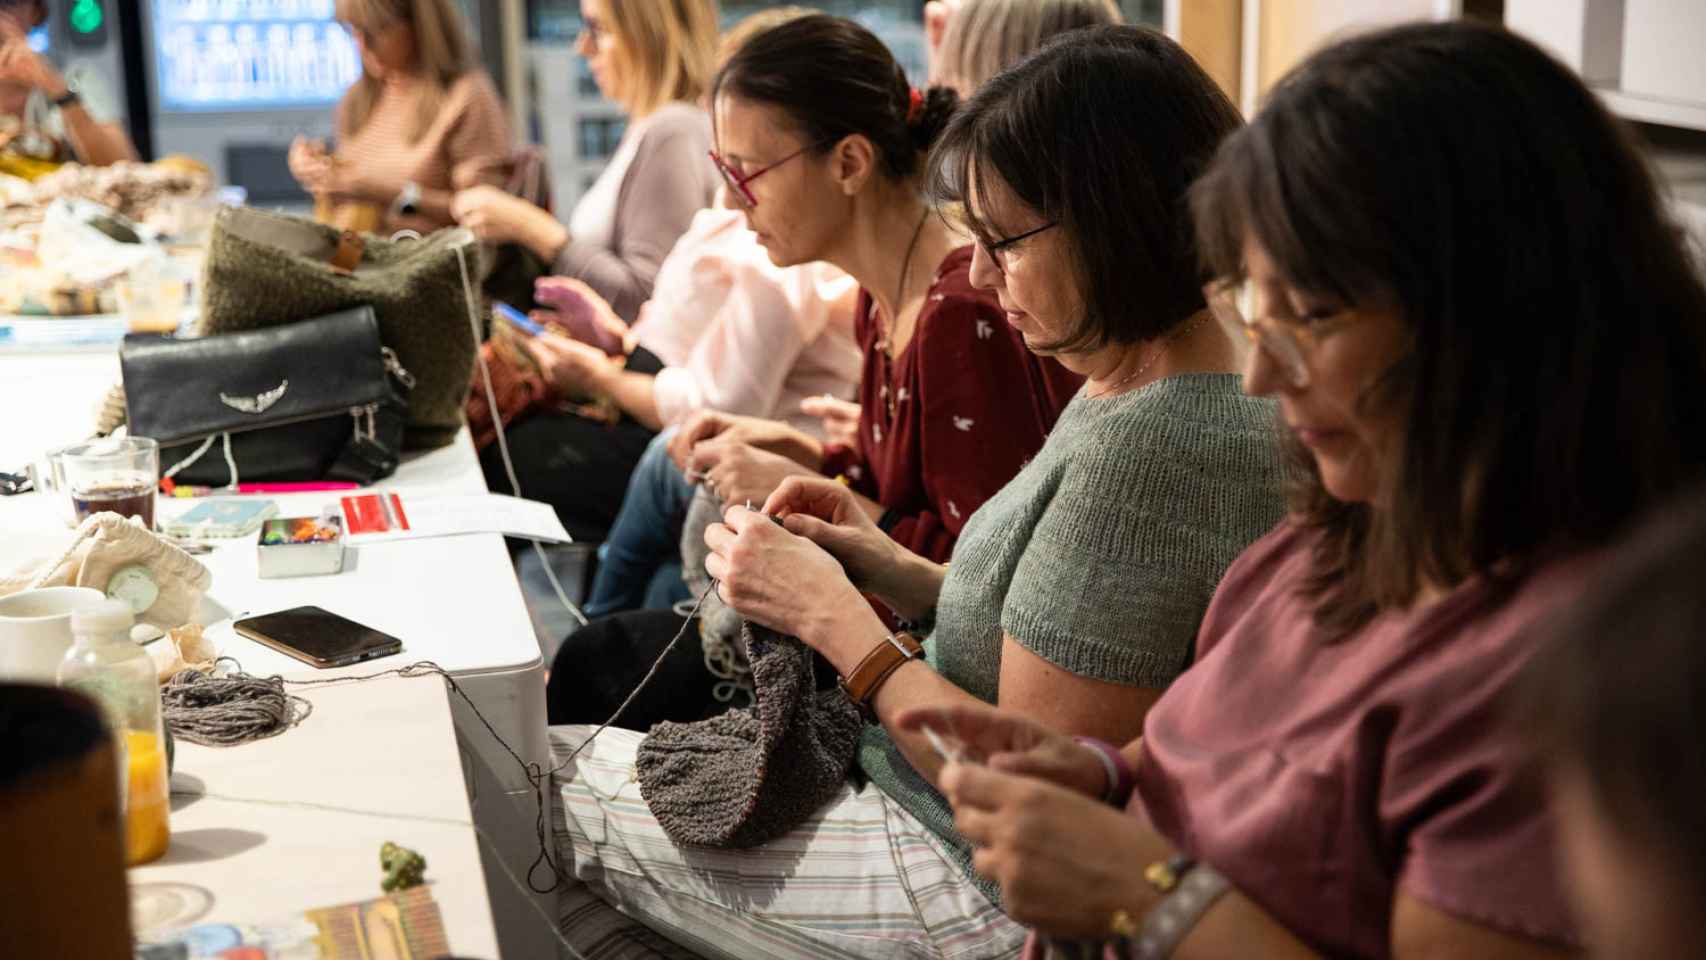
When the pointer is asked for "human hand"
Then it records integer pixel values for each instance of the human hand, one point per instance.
(582, 312)
(309, 164)
(22, 66)
(1012, 743)
(827, 513)
(786, 582)
(840, 418)
(1065, 863)
(497, 217)
(740, 473)
(569, 365)
(706, 425)
(324, 175)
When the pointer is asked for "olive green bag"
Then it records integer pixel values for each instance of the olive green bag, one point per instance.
(266, 269)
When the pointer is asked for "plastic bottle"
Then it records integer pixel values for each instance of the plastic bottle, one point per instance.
(106, 664)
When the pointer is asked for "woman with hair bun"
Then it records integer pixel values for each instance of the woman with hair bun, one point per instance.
(821, 140)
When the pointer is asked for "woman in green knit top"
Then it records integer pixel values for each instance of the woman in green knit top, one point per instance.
(1074, 595)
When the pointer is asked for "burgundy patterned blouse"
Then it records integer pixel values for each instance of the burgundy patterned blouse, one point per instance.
(953, 417)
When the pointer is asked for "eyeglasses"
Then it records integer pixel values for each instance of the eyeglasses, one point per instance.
(997, 248)
(1290, 342)
(737, 182)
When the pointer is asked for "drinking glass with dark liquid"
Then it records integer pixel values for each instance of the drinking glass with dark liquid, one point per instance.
(117, 475)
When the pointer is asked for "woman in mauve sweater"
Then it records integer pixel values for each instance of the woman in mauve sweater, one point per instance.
(653, 57)
(1479, 403)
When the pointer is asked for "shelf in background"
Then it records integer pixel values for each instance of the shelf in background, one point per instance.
(1673, 113)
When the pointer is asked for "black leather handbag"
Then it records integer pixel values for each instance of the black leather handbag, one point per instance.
(313, 400)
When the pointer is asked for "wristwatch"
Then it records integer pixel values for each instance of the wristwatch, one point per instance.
(884, 659)
(408, 202)
(67, 98)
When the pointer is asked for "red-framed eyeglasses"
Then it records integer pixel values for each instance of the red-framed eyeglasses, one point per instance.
(737, 182)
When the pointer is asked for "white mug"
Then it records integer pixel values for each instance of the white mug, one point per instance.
(35, 631)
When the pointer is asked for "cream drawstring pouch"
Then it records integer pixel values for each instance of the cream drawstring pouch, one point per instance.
(163, 584)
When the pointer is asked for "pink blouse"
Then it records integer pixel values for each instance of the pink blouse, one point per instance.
(739, 334)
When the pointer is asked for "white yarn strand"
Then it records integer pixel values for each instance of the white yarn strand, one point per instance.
(498, 426)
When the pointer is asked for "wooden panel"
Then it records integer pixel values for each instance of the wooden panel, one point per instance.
(1290, 30)
(1212, 31)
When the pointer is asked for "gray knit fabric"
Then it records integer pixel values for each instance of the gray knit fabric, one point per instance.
(1102, 554)
(748, 776)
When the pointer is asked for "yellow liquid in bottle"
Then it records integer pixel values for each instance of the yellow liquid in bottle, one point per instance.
(148, 800)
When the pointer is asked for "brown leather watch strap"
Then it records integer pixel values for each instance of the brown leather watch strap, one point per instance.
(884, 659)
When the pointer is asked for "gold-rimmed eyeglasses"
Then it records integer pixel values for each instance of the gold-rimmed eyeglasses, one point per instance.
(1289, 341)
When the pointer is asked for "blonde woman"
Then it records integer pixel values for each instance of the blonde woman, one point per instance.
(655, 59)
(421, 121)
(980, 38)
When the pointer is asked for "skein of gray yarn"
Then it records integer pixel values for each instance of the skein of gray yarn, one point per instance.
(226, 711)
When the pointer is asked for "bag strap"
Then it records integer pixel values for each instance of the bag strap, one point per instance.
(348, 254)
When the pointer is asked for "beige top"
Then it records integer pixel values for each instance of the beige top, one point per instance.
(468, 143)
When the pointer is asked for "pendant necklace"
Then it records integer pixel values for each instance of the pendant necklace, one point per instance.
(1159, 350)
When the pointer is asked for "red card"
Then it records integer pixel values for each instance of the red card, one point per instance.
(374, 513)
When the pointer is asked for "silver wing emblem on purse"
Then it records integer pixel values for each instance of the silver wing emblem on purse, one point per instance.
(257, 404)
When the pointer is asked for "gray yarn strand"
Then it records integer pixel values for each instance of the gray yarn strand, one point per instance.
(226, 711)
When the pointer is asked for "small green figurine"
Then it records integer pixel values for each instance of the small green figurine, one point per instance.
(404, 868)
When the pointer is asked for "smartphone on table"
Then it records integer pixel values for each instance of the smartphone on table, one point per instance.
(318, 637)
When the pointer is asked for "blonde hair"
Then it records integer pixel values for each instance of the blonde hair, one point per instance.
(669, 51)
(443, 53)
(754, 24)
(985, 37)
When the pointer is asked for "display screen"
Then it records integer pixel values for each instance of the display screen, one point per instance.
(318, 635)
(237, 55)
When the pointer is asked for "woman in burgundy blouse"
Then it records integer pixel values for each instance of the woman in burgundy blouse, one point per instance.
(1481, 392)
(944, 422)
(952, 401)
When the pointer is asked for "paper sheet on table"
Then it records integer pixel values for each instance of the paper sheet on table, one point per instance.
(380, 517)
(404, 926)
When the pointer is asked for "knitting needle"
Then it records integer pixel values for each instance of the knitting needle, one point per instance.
(948, 748)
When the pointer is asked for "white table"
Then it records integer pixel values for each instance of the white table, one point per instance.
(454, 601)
(268, 843)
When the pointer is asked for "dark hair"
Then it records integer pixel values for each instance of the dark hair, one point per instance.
(1617, 692)
(833, 78)
(1551, 384)
(1101, 131)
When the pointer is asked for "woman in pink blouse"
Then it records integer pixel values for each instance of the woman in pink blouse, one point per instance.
(1481, 391)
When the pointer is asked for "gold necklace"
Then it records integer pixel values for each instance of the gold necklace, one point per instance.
(884, 343)
(1159, 350)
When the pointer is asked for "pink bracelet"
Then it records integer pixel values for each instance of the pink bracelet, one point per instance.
(1122, 779)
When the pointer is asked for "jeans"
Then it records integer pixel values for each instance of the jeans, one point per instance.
(640, 563)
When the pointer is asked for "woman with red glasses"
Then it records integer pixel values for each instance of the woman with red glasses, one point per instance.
(825, 157)
(820, 141)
